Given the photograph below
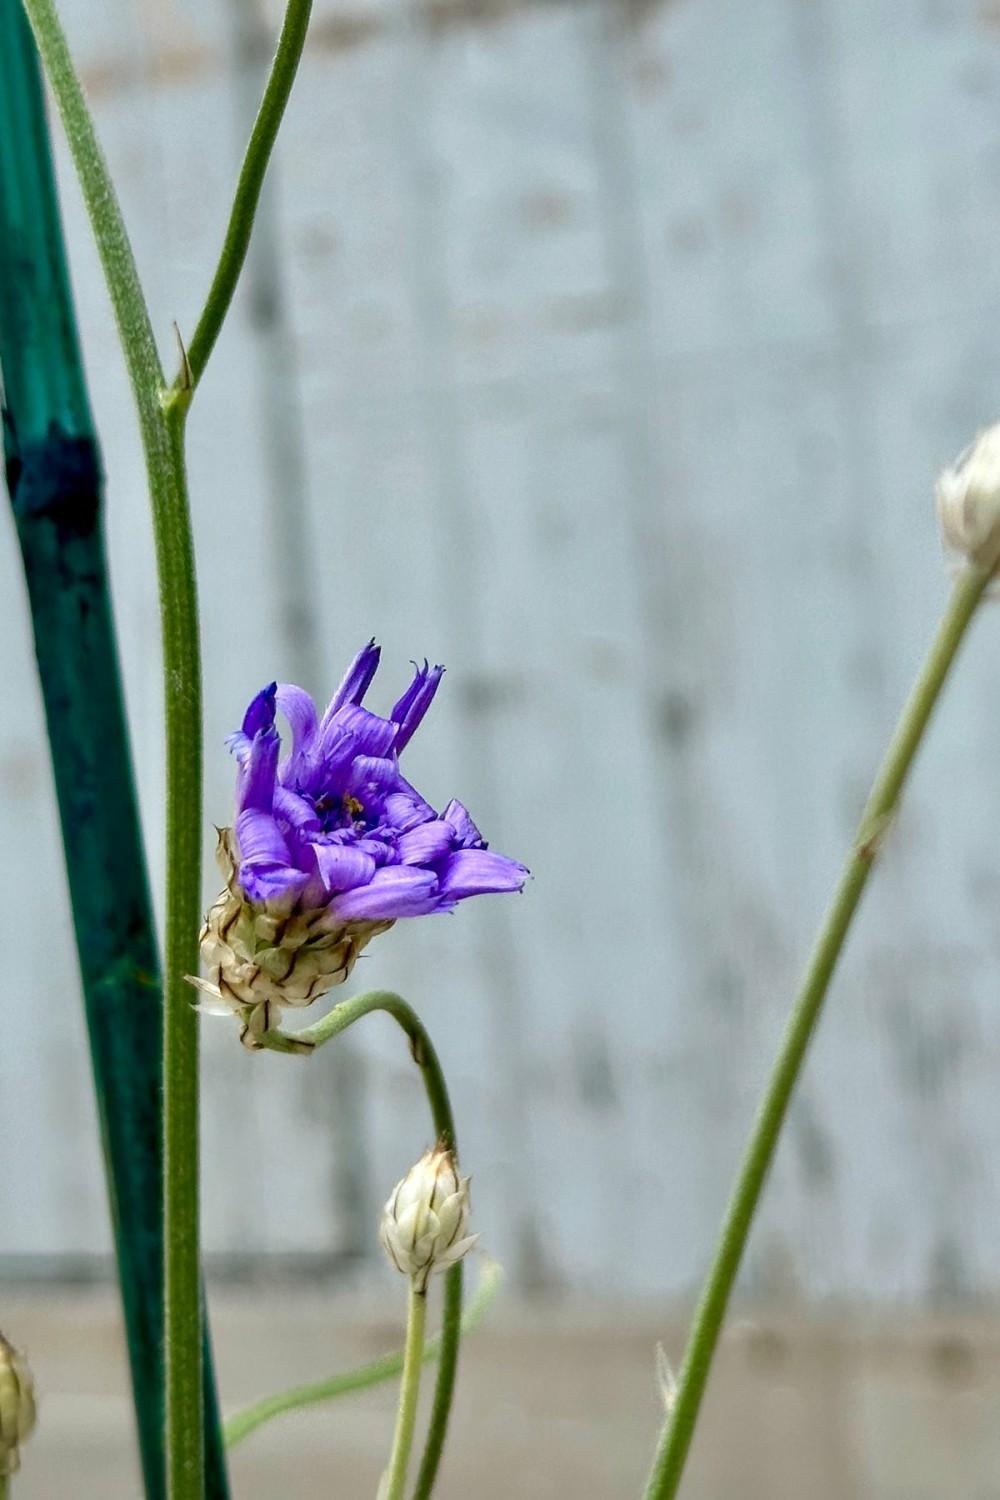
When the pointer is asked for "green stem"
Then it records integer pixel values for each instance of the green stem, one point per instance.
(248, 189)
(422, 1049)
(409, 1391)
(242, 1423)
(161, 423)
(668, 1465)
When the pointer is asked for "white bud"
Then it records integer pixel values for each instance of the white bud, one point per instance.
(968, 501)
(17, 1406)
(424, 1223)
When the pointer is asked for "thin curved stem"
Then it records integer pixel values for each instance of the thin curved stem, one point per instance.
(161, 424)
(409, 1394)
(675, 1441)
(114, 248)
(248, 189)
(242, 1423)
(422, 1049)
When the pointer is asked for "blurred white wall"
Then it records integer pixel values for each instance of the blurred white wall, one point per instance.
(604, 350)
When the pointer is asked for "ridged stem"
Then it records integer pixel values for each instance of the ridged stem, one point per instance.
(675, 1441)
(422, 1050)
(161, 424)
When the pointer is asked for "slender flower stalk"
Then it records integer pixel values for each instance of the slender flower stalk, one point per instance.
(242, 1423)
(248, 189)
(424, 1055)
(409, 1394)
(423, 1231)
(675, 1441)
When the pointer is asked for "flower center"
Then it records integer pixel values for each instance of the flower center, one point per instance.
(338, 812)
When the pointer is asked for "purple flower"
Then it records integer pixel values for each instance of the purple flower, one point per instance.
(335, 824)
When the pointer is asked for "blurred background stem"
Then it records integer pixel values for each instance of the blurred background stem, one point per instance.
(55, 486)
(668, 1466)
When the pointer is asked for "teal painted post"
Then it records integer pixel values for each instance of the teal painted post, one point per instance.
(55, 485)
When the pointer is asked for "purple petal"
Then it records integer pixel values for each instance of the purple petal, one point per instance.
(260, 839)
(300, 711)
(356, 683)
(238, 744)
(372, 735)
(393, 891)
(426, 843)
(476, 872)
(415, 702)
(265, 868)
(260, 714)
(257, 774)
(467, 835)
(405, 808)
(371, 777)
(404, 704)
(379, 850)
(336, 748)
(272, 882)
(295, 810)
(342, 867)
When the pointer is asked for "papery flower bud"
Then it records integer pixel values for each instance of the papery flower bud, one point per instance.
(17, 1406)
(424, 1223)
(259, 956)
(968, 501)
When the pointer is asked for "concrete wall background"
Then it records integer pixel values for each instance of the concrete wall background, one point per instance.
(605, 351)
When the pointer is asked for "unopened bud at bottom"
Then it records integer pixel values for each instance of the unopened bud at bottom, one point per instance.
(17, 1406)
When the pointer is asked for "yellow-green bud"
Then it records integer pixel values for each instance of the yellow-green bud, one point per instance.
(424, 1222)
(968, 501)
(17, 1406)
(262, 956)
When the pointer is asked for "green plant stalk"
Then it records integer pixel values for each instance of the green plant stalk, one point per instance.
(422, 1050)
(248, 189)
(54, 479)
(675, 1441)
(409, 1393)
(242, 1423)
(161, 424)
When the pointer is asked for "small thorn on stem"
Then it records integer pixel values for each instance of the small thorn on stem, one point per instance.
(185, 379)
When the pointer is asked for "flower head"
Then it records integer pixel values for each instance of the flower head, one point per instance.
(331, 844)
(17, 1406)
(424, 1223)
